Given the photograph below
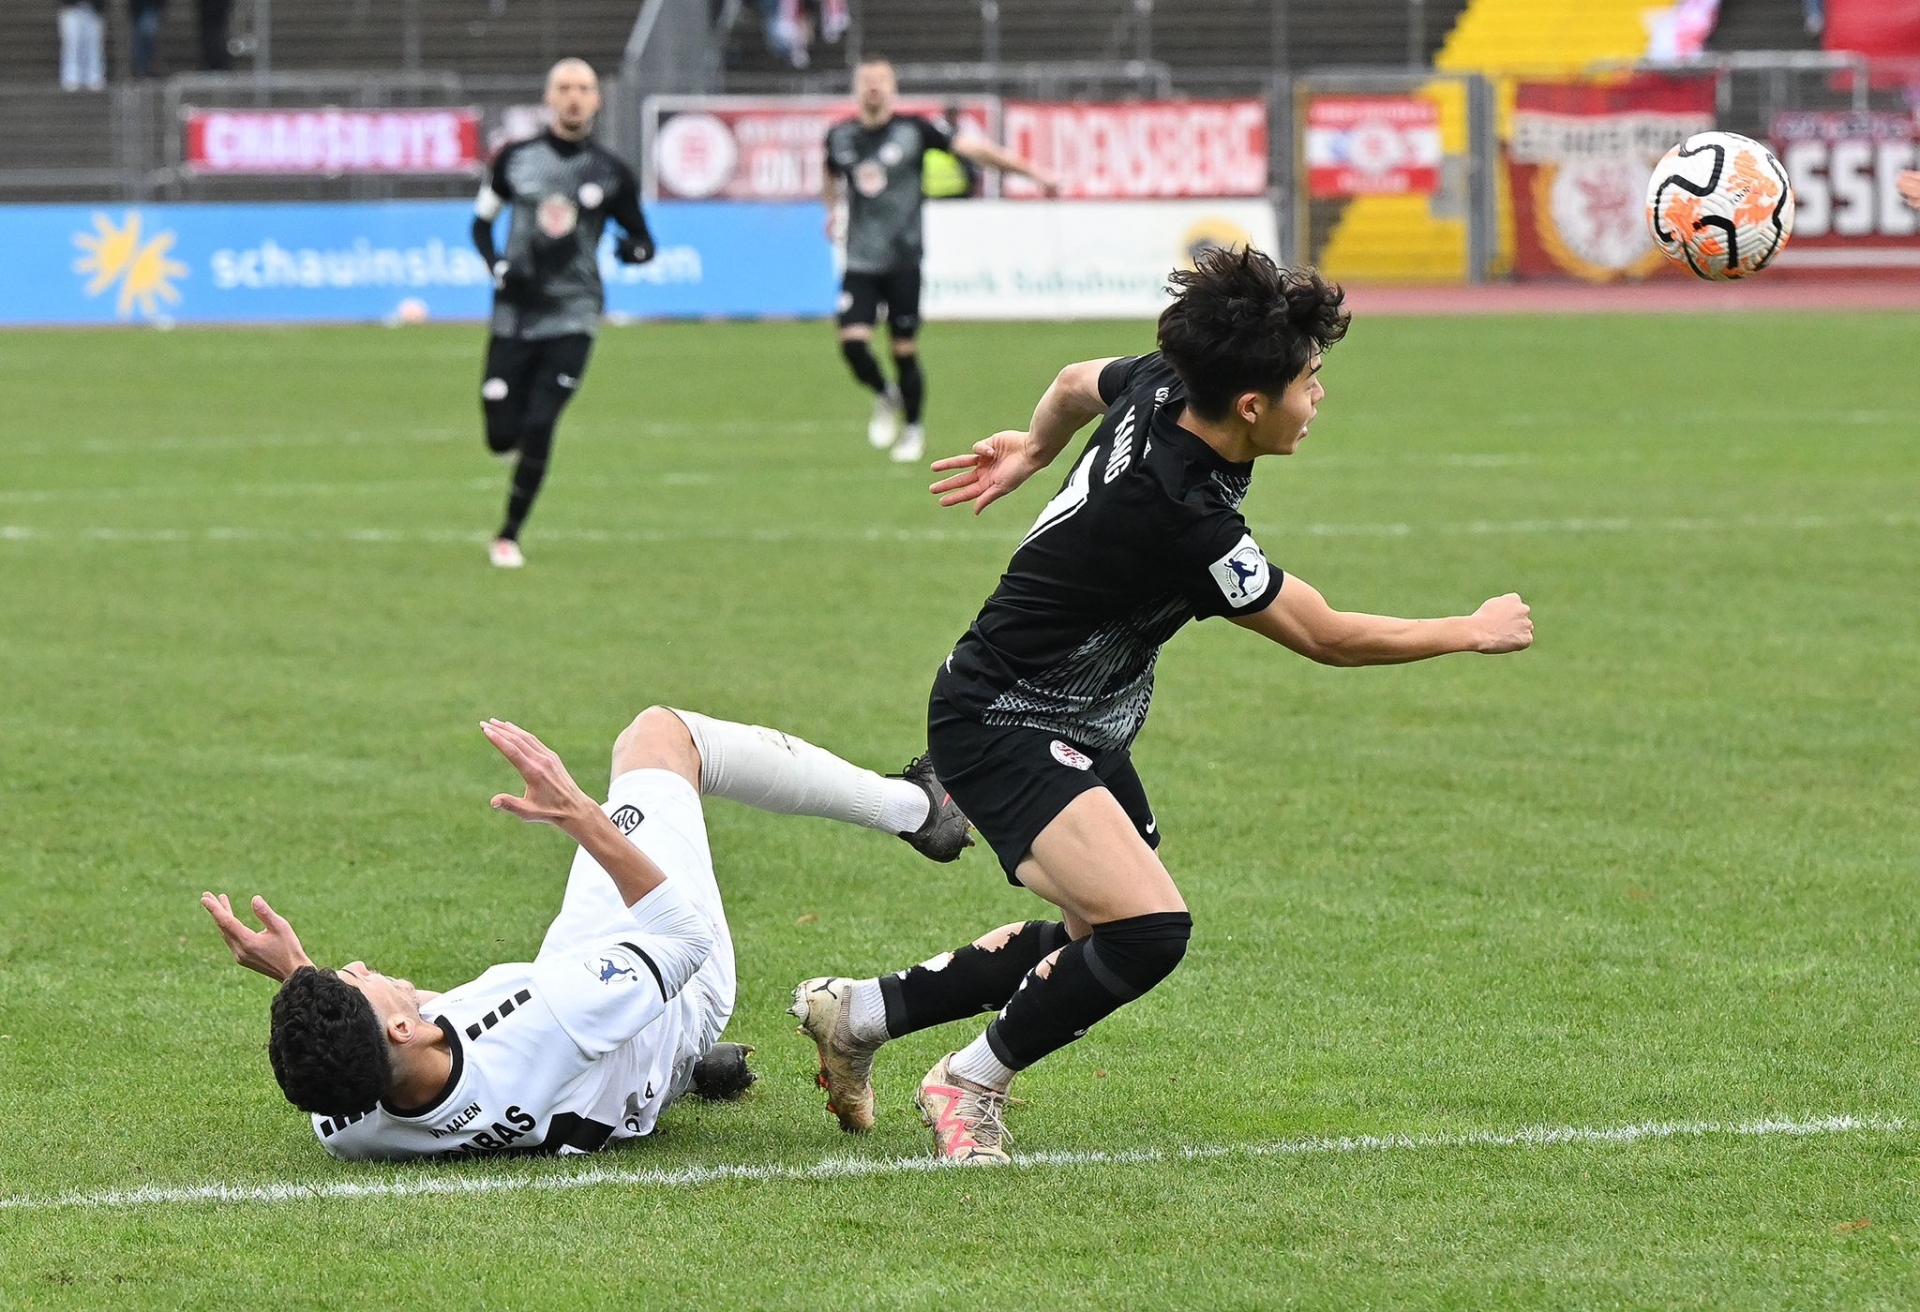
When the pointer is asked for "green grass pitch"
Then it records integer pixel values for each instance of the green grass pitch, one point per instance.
(1659, 871)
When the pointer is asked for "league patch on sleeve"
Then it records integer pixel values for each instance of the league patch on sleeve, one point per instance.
(1242, 573)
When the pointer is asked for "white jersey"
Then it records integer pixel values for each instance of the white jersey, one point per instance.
(588, 1043)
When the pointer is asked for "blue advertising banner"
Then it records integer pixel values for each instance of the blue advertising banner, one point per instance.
(385, 260)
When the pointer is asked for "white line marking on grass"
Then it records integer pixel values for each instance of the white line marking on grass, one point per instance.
(215, 491)
(835, 533)
(420, 1183)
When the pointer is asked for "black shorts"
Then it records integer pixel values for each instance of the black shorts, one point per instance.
(529, 381)
(862, 295)
(1013, 782)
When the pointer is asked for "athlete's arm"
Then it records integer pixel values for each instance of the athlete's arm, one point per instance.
(981, 151)
(638, 247)
(1300, 620)
(1909, 185)
(274, 951)
(553, 798)
(830, 193)
(1004, 461)
(486, 208)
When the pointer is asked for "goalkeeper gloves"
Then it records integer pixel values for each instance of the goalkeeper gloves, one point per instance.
(634, 250)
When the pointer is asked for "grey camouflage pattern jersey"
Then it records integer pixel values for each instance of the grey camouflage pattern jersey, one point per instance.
(885, 190)
(558, 196)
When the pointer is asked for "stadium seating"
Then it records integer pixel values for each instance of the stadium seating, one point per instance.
(1186, 34)
(1761, 25)
(475, 37)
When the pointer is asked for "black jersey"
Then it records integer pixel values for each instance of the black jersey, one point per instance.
(885, 189)
(1144, 535)
(560, 195)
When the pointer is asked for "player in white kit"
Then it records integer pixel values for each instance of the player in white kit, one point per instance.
(590, 1041)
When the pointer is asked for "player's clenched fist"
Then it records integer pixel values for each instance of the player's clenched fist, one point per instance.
(1505, 624)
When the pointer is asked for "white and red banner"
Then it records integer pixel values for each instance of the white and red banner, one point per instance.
(332, 142)
(1577, 167)
(1372, 146)
(1151, 150)
(1843, 167)
(760, 147)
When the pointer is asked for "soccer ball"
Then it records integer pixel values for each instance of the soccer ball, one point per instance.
(1720, 203)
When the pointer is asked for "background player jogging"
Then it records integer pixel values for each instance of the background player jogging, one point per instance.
(1033, 713)
(622, 1010)
(878, 154)
(561, 187)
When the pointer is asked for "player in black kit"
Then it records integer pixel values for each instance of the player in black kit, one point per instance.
(1034, 711)
(878, 155)
(561, 188)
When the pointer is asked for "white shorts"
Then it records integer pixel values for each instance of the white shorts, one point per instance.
(672, 831)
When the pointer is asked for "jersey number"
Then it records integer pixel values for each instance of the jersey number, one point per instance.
(1068, 500)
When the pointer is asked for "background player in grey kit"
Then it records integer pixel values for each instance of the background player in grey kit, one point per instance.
(560, 189)
(1033, 714)
(878, 155)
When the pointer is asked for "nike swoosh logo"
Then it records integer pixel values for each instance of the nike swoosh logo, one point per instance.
(1151, 824)
(566, 381)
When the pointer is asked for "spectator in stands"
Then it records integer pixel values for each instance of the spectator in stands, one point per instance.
(146, 33)
(83, 35)
(214, 17)
(1815, 12)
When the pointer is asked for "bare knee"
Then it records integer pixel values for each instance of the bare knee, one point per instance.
(657, 740)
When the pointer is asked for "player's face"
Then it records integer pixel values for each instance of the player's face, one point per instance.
(573, 98)
(874, 88)
(390, 996)
(1285, 420)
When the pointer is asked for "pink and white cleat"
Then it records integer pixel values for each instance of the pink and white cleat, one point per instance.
(968, 1120)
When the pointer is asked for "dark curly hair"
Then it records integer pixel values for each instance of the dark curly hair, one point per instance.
(328, 1048)
(1244, 324)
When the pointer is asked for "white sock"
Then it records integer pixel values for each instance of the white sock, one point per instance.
(867, 1012)
(977, 1063)
(775, 771)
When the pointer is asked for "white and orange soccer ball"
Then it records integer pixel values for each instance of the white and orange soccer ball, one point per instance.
(1720, 203)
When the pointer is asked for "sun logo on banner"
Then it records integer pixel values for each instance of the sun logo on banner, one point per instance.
(142, 267)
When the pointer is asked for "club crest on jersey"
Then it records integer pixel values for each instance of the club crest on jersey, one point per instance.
(1241, 573)
(1071, 757)
(891, 154)
(556, 216)
(627, 818)
(591, 195)
(870, 178)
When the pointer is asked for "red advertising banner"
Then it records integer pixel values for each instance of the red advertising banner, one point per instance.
(1578, 163)
(1843, 168)
(331, 142)
(1142, 151)
(760, 147)
(1888, 28)
(1372, 146)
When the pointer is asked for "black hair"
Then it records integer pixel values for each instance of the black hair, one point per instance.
(1244, 324)
(328, 1048)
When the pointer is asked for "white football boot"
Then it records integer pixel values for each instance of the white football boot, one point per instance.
(883, 430)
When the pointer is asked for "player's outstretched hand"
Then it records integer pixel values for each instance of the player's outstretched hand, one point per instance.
(996, 466)
(1909, 185)
(274, 951)
(1505, 624)
(552, 797)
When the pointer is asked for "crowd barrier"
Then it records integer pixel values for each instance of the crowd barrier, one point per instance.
(412, 260)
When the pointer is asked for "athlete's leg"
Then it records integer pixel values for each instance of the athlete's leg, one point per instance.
(1092, 863)
(561, 363)
(504, 391)
(774, 771)
(859, 310)
(903, 329)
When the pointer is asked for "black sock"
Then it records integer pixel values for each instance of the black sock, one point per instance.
(528, 473)
(913, 386)
(1091, 979)
(865, 367)
(974, 980)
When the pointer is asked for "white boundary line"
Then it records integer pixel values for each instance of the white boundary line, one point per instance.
(842, 1168)
(1273, 533)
